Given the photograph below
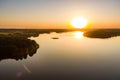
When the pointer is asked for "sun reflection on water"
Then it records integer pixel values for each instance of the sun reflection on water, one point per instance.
(78, 34)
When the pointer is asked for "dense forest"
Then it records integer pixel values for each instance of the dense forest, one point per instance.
(16, 47)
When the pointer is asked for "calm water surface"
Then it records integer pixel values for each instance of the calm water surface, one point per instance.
(72, 56)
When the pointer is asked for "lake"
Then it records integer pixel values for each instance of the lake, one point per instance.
(67, 56)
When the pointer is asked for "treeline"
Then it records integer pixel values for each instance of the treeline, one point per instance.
(12, 47)
(33, 32)
(102, 33)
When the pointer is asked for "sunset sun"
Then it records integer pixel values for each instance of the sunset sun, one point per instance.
(79, 22)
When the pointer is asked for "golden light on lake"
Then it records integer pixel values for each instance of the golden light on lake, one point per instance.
(79, 22)
(78, 34)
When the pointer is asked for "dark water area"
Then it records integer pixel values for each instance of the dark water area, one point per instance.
(60, 54)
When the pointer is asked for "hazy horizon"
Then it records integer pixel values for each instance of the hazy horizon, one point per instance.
(57, 14)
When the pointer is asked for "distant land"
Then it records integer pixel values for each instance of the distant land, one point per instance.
(102, 33)
(91, 33)
(14, 41)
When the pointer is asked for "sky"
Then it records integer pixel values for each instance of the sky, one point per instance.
(58, 13)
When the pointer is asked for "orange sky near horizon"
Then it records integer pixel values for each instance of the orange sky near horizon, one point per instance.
(45, 14)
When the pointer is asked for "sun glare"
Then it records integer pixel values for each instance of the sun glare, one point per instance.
(79, 22)
(78, 34)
